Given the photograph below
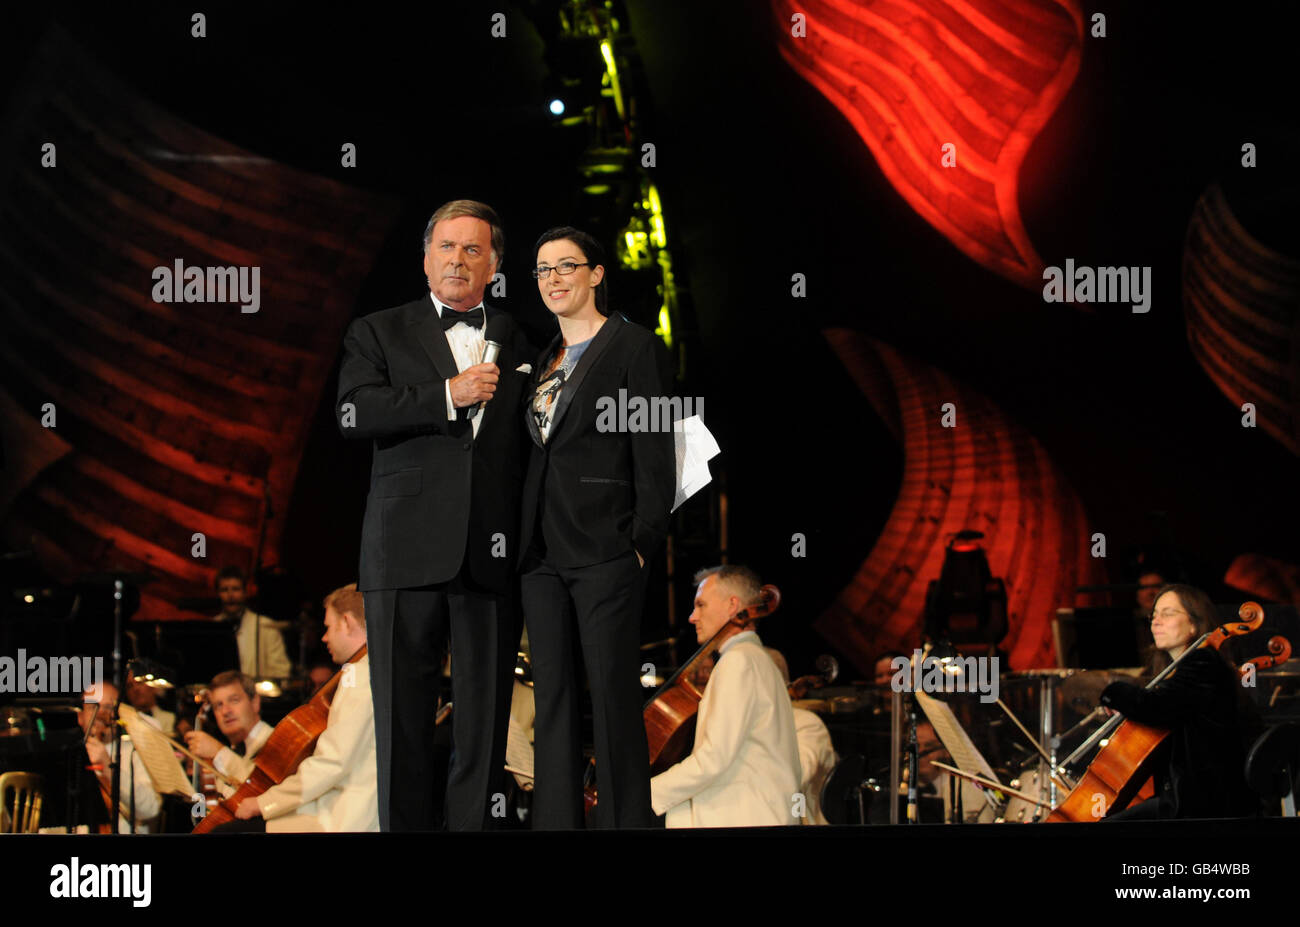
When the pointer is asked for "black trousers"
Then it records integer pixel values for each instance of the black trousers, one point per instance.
(251, 826)
(1150, 809)
(598, 607)
(407, 632)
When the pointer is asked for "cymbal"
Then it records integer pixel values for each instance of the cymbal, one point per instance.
(1083, 689)
(1036, 674)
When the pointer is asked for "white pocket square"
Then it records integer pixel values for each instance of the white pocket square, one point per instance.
(524, 368)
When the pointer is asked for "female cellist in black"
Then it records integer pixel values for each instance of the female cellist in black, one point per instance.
(1202, 773)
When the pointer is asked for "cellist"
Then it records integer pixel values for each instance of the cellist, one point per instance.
(744, 767)
(336, 788)
(1202, 773)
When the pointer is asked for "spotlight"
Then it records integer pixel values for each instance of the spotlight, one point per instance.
(966, 605)
(557, 107)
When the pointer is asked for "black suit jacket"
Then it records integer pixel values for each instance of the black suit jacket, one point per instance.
(1198, 704)
(438, 495)
(595, 496)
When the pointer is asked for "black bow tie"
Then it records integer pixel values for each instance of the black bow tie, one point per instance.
(450, 317)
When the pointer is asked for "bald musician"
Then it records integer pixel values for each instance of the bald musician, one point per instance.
(335, 789)
(744, 768)
(96, 717)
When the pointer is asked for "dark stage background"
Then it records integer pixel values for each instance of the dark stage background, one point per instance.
(762, 177)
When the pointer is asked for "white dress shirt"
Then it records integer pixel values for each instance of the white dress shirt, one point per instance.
(148, 803)
(335, 790)
(231, 764)
(467, 344)
(744, 768)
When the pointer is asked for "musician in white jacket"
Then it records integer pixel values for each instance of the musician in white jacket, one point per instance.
(744, 768)
(334, 789)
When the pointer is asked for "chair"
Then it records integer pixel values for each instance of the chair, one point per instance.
(1273, 763)
(22, 814)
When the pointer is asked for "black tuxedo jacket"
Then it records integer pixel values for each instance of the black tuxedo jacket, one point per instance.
(595, 496)
(438, 495)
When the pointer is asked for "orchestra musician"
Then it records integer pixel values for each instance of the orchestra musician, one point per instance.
(334, 789)
(237, 708)
(96, 718)
(1203, 773)
(261, 645)
(595, 508)
(144, 699)
(744, 768)
(817, 755)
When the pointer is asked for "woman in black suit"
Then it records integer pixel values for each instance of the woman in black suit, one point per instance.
(595, 508)
(1202, 773)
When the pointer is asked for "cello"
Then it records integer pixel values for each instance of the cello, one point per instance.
(292, 741)
(1131, 750)
(669, 715)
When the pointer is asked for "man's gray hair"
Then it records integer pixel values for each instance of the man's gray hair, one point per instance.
(457, 208)
(741, 580)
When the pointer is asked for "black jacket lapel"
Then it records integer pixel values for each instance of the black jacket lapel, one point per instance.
(574, 383)
(428, 330)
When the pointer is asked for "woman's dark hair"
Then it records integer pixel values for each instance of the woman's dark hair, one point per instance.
(591, 250)
(1200, 611)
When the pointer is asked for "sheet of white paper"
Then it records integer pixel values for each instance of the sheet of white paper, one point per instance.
(695, 447)
(966, 756)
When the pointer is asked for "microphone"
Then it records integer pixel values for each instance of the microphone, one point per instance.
(493, 335)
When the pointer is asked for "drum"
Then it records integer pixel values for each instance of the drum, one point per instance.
(1032, 781)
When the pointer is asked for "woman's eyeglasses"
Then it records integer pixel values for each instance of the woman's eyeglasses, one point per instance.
(564, 268)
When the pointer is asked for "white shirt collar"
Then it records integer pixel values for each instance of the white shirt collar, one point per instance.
(255, 735)
(742, 636)
(443, 307)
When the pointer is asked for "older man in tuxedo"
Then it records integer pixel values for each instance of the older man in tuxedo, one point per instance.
(744, 767)
(441, 519)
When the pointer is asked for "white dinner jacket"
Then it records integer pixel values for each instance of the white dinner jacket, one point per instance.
(816, 759)
(744, 767)
(336, 788)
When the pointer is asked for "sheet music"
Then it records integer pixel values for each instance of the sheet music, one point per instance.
(956, 741)
(519, 753)
(694, 446)
(157, 755)
(965, 755)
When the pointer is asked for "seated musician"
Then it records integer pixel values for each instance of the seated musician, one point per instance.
(96, 719)
(237, 708)
(336, 788)
(144, 699)
(816, 752)
(744, 767)
(261, 645)
(1202, 774)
